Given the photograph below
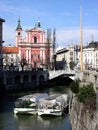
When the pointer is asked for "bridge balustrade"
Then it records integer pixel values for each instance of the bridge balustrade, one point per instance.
(56, 73)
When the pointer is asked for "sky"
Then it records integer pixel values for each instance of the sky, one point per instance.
(62, 15)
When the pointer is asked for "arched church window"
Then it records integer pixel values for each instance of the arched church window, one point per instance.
(18, 33)
(35, 39)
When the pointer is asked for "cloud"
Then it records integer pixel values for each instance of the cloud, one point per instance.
(17, 9)
(64, 36)
(7, 7)
(8, 35)
(67, 36)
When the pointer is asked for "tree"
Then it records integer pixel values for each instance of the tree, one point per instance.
(86, 93)
(54, 48)
(74, 86)
(23, 62)
(48, 48)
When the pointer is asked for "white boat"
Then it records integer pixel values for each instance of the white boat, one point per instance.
(52, 112)
(25, 111)
(53, 105)
(28, 104)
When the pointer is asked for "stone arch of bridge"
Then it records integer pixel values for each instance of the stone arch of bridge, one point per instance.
(34, 78)
(17, 79)
(25, 79)
(41, 79)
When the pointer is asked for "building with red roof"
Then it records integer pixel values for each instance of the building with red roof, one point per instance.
(10, 55)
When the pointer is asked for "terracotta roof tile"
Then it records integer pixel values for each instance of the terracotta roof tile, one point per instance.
(7, 49)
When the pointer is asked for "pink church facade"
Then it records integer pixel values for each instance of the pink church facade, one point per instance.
(34, 47)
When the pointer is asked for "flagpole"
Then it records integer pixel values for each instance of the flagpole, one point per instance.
(81, 42)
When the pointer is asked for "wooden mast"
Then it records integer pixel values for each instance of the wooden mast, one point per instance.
(81, 44)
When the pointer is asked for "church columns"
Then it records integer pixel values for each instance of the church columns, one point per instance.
(30, 56)
(29, 37)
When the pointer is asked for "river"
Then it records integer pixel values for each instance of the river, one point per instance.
(9, 121)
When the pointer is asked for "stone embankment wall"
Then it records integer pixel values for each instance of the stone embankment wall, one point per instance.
(82, 119)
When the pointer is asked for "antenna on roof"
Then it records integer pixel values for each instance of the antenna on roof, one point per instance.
(92, 36)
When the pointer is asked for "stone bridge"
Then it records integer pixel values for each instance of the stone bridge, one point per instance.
(14, 80)
(22, 79)
(58, 73)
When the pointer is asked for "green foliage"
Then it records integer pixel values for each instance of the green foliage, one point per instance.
(85, 93)
(74, 86)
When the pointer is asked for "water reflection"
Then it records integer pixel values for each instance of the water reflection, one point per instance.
(34, 122)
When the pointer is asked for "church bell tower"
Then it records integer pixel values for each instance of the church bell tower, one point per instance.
(18, 33)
